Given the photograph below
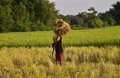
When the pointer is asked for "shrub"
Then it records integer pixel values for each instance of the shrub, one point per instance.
(95, 23)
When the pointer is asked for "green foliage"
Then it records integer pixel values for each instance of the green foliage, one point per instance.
(94, 20)
(95, 23)
(91, 19)
(6, 24)
(86, 37)
(111, 21)
(113, 15)
(34, 15)
(24, 15)
(107, 19)
(87, 20)
(115, 12)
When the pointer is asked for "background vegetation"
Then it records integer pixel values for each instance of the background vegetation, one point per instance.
(93, 19)
(35, 15)
(26, 15)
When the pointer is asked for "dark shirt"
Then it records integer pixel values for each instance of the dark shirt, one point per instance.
(58, 46)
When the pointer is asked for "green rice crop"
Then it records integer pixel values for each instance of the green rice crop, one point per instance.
(86, 37)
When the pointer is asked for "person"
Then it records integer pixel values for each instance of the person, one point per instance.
(57, 47)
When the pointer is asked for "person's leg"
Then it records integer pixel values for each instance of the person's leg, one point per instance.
(57, 58)
(61, 58)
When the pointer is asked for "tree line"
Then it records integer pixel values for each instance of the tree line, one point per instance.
(34, 15)
(26, 15)
(93, 19)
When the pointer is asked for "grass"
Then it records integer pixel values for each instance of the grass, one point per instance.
(79, 62)
(87, 37)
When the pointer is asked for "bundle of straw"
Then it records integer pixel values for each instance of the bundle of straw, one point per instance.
(61, 27)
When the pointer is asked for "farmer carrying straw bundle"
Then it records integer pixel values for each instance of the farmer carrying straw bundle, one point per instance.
(61, 29)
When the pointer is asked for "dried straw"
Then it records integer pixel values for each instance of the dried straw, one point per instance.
(61, 27)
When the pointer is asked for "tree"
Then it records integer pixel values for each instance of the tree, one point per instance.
(94, 20)
(93, 13)
(95, 23)
(115, 12)
(26, 15)
(107, 19)
(6, 21)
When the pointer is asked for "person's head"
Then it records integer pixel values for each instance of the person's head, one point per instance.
(54, 38)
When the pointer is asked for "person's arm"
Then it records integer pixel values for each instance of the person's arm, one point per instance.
(60, 39)
(53, 46)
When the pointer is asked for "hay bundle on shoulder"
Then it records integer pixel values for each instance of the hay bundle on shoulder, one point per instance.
(61, 27)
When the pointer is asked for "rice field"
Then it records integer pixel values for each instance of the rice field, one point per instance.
(79, 62)
(88, 37)
(89, 53)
